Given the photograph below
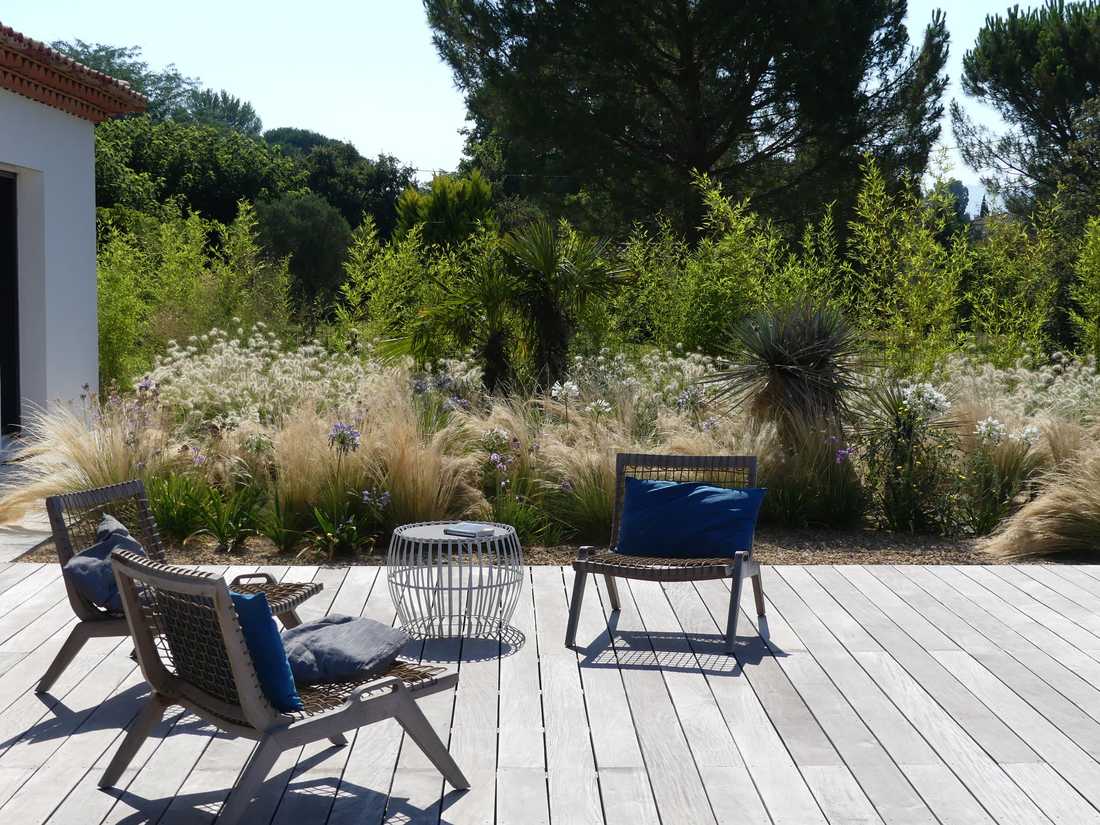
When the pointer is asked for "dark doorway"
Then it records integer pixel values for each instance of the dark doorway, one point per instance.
(11, 400)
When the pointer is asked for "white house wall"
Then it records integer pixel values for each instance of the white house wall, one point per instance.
(53, 156)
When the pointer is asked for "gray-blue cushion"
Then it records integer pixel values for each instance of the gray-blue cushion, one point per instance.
(337, 648)
(89, 571)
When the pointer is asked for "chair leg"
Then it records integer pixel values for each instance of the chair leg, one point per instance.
(575, 608)
(339, 740)
(76, 640)
(735, 605)
(290, 619)
(148, 719)
(257, 769)
(420, 730)
(613, 592)
(758, 593)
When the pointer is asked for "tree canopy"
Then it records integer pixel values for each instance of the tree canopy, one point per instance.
(1039, 68)
(211, 169)
(618, 103)
(168, 89)
(210, 108)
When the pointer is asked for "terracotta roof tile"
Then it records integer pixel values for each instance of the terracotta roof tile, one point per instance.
(41, 73)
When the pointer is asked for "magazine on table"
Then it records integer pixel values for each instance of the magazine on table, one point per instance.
(469, 530)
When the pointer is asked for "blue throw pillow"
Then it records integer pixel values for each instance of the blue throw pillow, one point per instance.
(89, 571)
(687, 520)
(266, 646)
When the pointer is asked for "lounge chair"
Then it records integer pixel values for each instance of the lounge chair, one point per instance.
(192, 652)
(721, 471)
(74, 518)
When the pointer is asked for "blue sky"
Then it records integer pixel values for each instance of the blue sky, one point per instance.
(358, 70)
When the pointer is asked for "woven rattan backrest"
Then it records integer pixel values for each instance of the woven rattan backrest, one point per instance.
(75, 516)
(718, 470)
(188, 640)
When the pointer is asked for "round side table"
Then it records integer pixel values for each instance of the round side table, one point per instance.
(449, 586)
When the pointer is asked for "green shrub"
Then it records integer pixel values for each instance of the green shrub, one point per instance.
(1016, 283)
(994, 473)
(449, 211)
(176, 501)
(1086, 291)
(814, 482)
(161, 280)
(909, 452)
(230, 516)
(313, 235)
(903, 284)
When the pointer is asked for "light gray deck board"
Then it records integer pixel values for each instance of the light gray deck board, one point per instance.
(570, 762)
(897, 695)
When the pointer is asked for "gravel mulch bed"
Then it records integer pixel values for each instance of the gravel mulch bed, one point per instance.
(773, 546)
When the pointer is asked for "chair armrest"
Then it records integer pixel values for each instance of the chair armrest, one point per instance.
(586, 550)
(245, 577)
(387, 682)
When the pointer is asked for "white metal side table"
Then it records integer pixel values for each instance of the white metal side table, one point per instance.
(448, 586)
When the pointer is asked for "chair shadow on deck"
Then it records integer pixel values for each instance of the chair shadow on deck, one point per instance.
(64, 721)
(368, 804)
(673, 651)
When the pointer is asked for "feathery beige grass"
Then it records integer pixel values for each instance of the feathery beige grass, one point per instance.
(1064, 518)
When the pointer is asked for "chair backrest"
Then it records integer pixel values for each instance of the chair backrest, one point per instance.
(189, 642)
(75, 516)
(718, 470)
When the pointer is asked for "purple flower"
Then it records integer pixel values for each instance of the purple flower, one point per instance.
(456, 403)
(567, 486)
(842, 454)
(494, 457)
(419, 386)
(379, 500)
(145, 384)
(344, 438)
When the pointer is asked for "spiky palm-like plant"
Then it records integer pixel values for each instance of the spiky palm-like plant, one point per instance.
(791, 364)
(557, 272)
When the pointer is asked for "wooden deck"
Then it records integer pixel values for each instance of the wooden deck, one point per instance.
(887, 694)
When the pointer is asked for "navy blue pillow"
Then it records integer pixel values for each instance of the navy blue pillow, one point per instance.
(89, 571)
(687, 519)
(266, 646)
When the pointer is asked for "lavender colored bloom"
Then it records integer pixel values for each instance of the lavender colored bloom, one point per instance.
(344, 438)
(456, 403)
(567, 486)
(419, 386)
(843, 454)
(145, 384)
(384, 499)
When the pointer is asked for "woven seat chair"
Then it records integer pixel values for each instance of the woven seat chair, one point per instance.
(719, 471)
(73, 521)
(192, 652)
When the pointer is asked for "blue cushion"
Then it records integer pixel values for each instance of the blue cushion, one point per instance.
(266, 646)
(688, 519)
(337, 648)
(89, 571)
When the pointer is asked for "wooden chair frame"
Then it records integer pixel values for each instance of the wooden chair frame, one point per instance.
(721, 471)
(73, 521)
(192, 652)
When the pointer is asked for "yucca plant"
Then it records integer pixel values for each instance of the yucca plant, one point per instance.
(795, 363)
